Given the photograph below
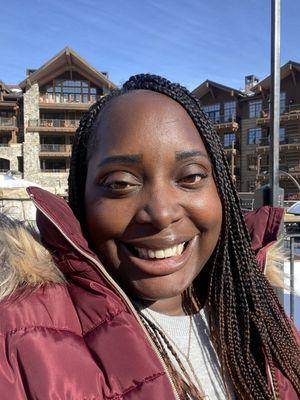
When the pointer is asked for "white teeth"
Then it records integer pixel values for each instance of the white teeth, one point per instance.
(162, 253)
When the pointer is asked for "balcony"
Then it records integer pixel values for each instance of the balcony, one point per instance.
(55, 170)
(288, 143)
(290, 113)
(285, 170)
(67, 101)
(53, 125)
(55, 150)
(8, 124)
(224, 123)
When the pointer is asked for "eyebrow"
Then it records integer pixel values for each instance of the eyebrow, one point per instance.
(181, 155)
(122, 159)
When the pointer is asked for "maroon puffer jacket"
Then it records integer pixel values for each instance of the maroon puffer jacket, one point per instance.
(83, 340)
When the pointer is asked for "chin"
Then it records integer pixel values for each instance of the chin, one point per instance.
(158, 288)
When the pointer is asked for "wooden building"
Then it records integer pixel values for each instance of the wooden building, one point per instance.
(51, 101)
(250, 135)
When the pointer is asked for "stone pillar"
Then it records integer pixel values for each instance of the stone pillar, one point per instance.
(31, 145)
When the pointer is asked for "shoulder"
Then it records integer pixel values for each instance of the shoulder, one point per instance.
(33, 291)
(45, 308)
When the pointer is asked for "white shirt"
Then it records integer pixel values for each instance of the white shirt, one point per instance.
(193, 333)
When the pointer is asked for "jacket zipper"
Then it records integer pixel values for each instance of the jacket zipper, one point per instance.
(116, 287)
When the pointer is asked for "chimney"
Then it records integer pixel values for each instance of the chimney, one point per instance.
(250, 82)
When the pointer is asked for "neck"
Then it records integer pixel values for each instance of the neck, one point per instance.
(173, 306)
(170, 307)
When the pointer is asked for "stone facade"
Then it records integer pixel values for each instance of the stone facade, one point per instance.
(12, 153)
(31, 145)
(17, 204)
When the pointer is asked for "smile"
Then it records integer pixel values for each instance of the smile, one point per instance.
(159, 262)
(161, 253)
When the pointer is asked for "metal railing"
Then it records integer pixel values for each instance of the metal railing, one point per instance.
(7, 121)
(55, 147)
(55, 170)
(222, 119)
(265, 141)
(291, 108)
(54, 123)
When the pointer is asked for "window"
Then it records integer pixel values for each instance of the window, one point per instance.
(229, 110)
(251, 162)
(53, 165)
(250, 186)
(282, 135)
(72, 90)
(4, 165)
(229, 138)
(213, 112)
(254, 135)
(282, 102)
(255, 108)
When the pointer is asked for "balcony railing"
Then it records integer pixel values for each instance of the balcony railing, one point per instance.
(55, 170)
(287, 112)
(265, 141)
(7, 121)
(67, 98)
(222, 119)
(53, 123)
(55, 148)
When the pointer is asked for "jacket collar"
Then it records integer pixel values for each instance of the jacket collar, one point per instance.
(62, 235)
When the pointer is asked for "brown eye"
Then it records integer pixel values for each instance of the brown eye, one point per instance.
(118, 185)
(192, 180)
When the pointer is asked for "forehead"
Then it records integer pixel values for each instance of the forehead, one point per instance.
(141, 120)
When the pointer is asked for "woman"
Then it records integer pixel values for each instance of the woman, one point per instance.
(158, 244)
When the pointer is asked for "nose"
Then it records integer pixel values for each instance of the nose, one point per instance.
(161, 209)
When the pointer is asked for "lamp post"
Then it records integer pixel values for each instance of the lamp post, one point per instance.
(275, 103)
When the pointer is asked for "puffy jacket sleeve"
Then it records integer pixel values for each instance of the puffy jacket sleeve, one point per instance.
(40, 363)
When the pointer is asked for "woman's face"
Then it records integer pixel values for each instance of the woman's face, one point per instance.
(153, 214)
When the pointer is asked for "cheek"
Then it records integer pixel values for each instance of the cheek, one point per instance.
(206, 212)
(105, 220)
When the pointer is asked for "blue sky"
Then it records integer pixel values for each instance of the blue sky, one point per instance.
(184, 40)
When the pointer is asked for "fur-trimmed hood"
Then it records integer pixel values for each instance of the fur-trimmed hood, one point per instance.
(26, 263)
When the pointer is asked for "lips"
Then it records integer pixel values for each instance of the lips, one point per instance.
(159, 262)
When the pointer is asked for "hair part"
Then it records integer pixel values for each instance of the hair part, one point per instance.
(246, 319)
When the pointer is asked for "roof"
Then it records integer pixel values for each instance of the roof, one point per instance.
(208, 85)
(63, 61)
(285, 71)
(3, 87)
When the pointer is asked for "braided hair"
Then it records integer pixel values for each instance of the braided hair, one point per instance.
(246, 320)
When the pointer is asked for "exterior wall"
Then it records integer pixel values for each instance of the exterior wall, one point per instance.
(31, 143)
(218, 96)
(12, 153)
(17, 204)
(248, 177)
(289, 150)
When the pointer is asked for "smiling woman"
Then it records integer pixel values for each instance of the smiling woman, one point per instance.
(164, 297)
(156, 169)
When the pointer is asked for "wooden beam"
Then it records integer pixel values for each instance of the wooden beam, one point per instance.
(87, 76)
(212, 92)
(54, 74)
(294, 77)
(68, 57)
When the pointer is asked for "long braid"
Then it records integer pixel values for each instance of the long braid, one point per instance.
(184, 387)
(245, 316)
